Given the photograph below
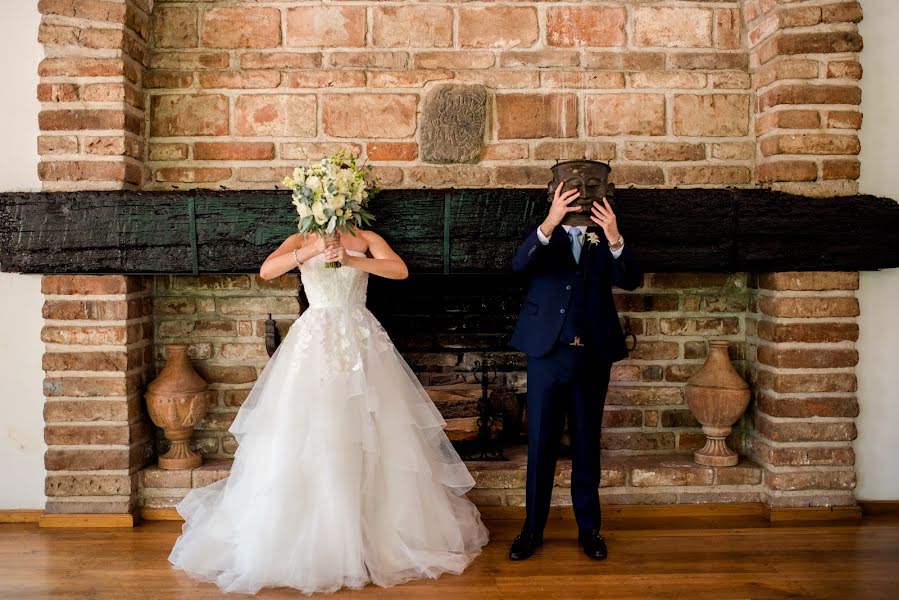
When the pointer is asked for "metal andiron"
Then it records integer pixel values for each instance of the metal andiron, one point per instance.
(488, 445)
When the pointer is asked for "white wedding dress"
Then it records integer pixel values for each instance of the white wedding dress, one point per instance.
(343, 475)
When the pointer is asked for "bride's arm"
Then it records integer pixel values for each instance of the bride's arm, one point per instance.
(385, 262)
(282, 260)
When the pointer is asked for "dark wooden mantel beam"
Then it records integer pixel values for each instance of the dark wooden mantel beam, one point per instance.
(442, 231)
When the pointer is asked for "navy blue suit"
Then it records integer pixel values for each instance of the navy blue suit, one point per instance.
(567, 299)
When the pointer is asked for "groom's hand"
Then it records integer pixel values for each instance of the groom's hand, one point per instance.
(559, 208)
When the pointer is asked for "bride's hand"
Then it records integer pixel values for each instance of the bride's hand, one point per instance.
(336, 253)
(320, 245)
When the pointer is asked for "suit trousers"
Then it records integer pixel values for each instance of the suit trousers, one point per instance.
(574, 381)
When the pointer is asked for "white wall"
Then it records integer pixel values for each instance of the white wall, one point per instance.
(877, 447)
(21, 400)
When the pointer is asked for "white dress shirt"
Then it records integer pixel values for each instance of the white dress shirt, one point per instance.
(545, 240)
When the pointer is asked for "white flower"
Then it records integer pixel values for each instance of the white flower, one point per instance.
(592, 238)
(313, 182)
(338, 201)
(303, 210)
(318, 211)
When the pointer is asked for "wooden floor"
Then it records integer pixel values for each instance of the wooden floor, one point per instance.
(669, 559)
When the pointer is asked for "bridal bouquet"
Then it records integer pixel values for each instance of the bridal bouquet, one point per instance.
(331, 196)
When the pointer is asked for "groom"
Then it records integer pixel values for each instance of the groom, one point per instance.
(568, 328)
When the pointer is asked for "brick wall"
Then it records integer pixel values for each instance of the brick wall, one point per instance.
(98, 335)
(240, 92)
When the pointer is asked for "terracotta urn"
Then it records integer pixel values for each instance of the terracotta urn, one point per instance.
(717, 396)
(177, 400)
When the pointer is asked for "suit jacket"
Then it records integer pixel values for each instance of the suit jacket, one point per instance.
(550, 270)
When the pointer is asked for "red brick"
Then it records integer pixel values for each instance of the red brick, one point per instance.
(727, 29)
(799, 16)
(788, 119)
(817, 358)
(59, 459)
(709, 61)
(241, 28)
(349, 115)
(189, 115)
(316, 150)
(806, 382)
(809, 280)
(168, 151)
(807, 143)
(447, 176)
(655, 350)
(195, 61)
(668, 80)
(841, 169)
(175, 27)
(112, 146)
(90, 485)
(93, 309)
(844, 119)
(625, 61)
(380, 59)
(498, 27)
(787, 170)
(85, 410)
(809, 406)
(672, 27)
(234, 150)
(388, 151)
(604, 80)
(574, 150)
(711, 174)
(625, 114)
(842, 12)
(98, 10)
(57, 144)
(76, 119)
(711, 114)
(326, 26)
(57, 92)
(811, 480)
(239, 79)
(323, 79)
(699, 326)
(412, 26)
(275, 115)
(645, 395)
(844, 69)
(192, 174)
(592, 26)
(280, 60)
(80, 387)
(786, 69)
(809, 306)
(521, 175)
(81, 67)
(626, 174)
(87, 171)
(536, 115)
(157, 79)
(449, 59)
(816, 43)
(807, 332)
(539, 58)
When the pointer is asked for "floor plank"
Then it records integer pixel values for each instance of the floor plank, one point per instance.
(654, 558)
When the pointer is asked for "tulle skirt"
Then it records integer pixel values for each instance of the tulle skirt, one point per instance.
(343, 475)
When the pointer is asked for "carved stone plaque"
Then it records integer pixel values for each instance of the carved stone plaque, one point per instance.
(453, 123)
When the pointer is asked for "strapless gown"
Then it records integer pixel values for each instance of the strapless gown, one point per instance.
(343, 475)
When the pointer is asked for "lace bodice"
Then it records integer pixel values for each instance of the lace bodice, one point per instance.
(344, 286)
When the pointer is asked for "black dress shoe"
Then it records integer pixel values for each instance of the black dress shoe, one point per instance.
(524, 546)
(593, 543)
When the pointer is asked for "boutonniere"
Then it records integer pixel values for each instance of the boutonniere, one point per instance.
(592, 238)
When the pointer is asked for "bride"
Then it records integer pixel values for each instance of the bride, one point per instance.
(343, 474)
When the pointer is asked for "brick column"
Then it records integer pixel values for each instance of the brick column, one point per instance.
(98, 336)
(92, 106)
(805, 61)
(802, 363)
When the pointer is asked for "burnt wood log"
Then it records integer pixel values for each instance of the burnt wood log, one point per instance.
(472, 231)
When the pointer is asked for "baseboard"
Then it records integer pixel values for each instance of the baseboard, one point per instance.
(160, 514)
(784, 516)
(614, 512)
(20, 515)
(84, 520)
(879, 508)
